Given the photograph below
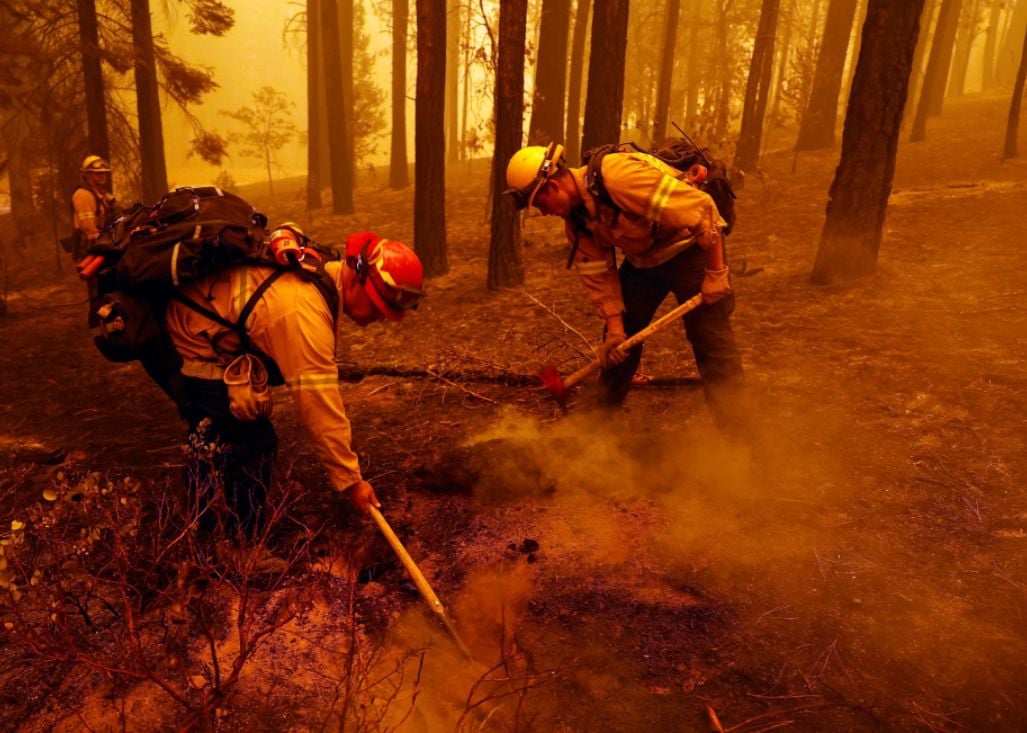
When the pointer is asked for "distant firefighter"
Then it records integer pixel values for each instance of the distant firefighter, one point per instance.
(93, 207)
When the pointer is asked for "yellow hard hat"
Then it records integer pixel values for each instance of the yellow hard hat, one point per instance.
(95, 164)
(529, 169)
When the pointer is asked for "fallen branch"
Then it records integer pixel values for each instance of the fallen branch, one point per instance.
(451, 383)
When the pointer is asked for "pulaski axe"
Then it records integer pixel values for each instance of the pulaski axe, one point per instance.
(419, 580)
(560, 387)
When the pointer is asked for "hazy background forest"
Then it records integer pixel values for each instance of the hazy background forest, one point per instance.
(858, 567)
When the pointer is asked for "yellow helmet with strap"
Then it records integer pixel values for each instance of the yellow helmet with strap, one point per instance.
(529, 169)
(95, 164)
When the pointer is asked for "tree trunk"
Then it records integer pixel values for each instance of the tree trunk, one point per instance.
(572, 140)
(990, 45)
(694, 70)
(1007, 64)
(505, 268)
(17, 136)
(346, 19)
(453, 82)
(933, 93)
(858, 199)
(341, 168)
(399, 176)
(787, 25)
(670, 37)
(154, 174)
(821, 115)
(605, 97)
(430, 138)
(720, 73)
(747, 153)
(1013, 126)
(927, 24)
(96, 107)
(961, 55)
(313, 106)
(550, 73)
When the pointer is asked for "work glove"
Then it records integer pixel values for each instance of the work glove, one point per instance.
(715, 285)
(609, 354)
(249, 394)
(362, 495)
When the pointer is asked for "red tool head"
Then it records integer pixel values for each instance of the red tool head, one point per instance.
(553, 382)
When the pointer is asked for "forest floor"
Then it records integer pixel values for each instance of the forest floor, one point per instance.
(862, 570)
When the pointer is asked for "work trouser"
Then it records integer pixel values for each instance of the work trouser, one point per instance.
(226, 453)
(708, 329)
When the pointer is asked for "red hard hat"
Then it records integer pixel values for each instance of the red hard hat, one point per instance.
(390, 272)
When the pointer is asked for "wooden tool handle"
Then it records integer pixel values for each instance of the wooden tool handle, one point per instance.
(408, 562)
(630, 343)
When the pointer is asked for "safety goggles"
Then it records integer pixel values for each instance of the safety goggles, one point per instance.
(403, 297)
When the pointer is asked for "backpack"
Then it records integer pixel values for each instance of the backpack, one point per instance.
(677, 153)
(150, 251)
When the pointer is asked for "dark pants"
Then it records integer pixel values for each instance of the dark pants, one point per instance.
(229, 454)
(708, 329)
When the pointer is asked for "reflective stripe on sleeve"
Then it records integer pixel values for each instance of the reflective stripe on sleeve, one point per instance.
(592, 268)
(315, 381)
(659, 199)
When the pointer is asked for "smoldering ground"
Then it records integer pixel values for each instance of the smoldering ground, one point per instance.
(660, 544)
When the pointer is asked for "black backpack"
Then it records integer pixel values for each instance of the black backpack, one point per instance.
(677, 153)
(150, 251)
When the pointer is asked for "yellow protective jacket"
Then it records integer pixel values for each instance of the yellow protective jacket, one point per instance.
(292, 324)
(659, 215)
(91, 210)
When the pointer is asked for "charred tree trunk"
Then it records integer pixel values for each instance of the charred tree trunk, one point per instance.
(572, 140)
(858, 199)
(96, 107)
(605, 97)
(341, 168)
(313, 106)
(505, 268)
(453, 82)
(670, 36)
(550, 73)
(747, 154)
(153, 169)
(399, 176)
(821, 116)
(1013, 126)
(933, 92)
(430, 138)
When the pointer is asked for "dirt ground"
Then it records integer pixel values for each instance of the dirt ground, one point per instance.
(861, 569)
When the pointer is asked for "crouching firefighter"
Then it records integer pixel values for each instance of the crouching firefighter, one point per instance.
(289, 329)
(671, 234)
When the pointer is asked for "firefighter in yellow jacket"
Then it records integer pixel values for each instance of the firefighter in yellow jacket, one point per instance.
(672, 238)
(93, 205)
(292, 325)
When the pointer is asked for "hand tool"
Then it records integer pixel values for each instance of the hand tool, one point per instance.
(419, 580)
(560, 387)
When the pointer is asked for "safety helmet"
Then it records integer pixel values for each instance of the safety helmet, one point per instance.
(390, 272)
(529, 169)
(95, 164)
